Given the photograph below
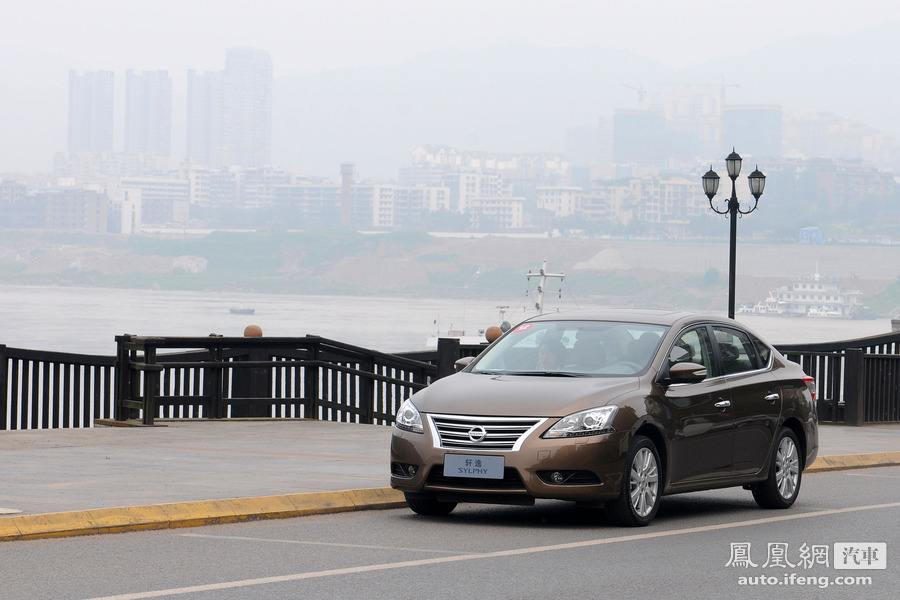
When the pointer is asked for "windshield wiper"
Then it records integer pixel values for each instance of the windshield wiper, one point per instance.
(544, 373)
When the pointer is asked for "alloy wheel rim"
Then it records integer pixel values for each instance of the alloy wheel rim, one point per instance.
(787, 468)
(644, 482)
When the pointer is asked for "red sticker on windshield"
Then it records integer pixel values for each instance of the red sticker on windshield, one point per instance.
(523, 327)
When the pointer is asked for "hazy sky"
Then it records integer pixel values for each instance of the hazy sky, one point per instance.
(41, 40)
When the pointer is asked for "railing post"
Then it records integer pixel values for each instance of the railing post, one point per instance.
(447, 355)
(123, 378)
(151, 385)
(311, 385)
(212, 382)
(254, 384)
(854, 387)
(366, 392)
(4, 360)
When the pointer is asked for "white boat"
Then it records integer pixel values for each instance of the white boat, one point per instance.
(812, 296)
(823, 312)
(465, 338)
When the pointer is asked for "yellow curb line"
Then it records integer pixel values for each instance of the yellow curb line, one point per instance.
(841, 462)
(194, 514)
(232, 510)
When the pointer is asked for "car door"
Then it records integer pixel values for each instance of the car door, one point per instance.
(699, 417)
(753, 393)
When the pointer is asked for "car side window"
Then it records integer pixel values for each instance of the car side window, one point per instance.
(763, 352)
(689, 347)
(735, 350)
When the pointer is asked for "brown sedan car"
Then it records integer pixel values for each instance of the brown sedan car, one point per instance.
(613, 409)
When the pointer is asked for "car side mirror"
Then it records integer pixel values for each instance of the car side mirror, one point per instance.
(463, 362)
(686, 372)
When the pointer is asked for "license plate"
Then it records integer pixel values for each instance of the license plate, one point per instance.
(470, 465)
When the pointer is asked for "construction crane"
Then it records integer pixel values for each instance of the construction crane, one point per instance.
(641, 93)
(723, 87)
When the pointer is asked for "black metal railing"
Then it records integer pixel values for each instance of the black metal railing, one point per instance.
(858, 381)
(309, 377)
(50, 390)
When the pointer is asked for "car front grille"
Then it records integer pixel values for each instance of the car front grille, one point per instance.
(500, 433)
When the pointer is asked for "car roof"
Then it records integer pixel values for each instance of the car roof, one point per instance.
(636, 315)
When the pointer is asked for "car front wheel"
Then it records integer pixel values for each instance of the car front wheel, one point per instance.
(781, 488)
(427, 505)
(637, 504)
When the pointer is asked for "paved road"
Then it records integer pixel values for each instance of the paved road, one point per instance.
(50, 471)
(552, 550)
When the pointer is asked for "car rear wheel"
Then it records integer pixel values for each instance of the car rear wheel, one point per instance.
(781, 488)
(638, 502)
(428, 505)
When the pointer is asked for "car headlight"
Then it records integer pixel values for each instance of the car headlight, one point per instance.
(408, 418)
(586, 422)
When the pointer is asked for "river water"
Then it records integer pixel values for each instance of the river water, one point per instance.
(87, 319)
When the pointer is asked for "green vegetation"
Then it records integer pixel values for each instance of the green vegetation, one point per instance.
(888, 301)
(415, 264)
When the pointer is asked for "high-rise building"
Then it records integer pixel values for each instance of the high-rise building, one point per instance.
(754, 130)
(91, 112)
(148, 113)
(247, 86)
(229, 115)
(204, 116)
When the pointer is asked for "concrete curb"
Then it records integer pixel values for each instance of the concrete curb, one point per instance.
(840, 462)
(233, 510)
(194, 514)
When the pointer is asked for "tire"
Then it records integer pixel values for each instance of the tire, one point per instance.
(428, 506)
(781, 488)
(642, 479)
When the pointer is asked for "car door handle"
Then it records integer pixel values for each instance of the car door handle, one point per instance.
(722, 404)
(773, 398)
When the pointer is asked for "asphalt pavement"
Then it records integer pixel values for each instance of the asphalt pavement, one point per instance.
(552, 550)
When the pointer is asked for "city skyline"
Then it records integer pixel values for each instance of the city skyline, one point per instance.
(308, 92)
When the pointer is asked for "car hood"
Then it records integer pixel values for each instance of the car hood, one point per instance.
(519, 395)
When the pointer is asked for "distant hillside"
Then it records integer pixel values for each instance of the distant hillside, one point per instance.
(517, 99)
(523, 98)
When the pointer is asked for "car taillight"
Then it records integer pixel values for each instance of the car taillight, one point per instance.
(811, 386)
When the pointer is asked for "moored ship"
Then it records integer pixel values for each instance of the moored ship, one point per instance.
(812, 296)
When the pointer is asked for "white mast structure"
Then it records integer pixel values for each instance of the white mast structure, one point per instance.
(543, 275)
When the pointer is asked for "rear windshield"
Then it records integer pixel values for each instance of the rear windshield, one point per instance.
(580, 348)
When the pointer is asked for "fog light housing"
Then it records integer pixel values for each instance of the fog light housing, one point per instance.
(403, 470)
(566, 477)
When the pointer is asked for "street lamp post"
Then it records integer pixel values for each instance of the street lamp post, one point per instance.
(733, 208)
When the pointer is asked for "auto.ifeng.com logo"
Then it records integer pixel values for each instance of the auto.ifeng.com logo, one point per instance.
(819, 581)
(839, 556)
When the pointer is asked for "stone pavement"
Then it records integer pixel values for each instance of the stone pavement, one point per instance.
(65, 470)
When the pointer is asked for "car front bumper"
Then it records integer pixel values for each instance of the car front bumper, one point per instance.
(602, 455)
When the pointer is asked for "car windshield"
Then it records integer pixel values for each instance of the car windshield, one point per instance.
(573, 348)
